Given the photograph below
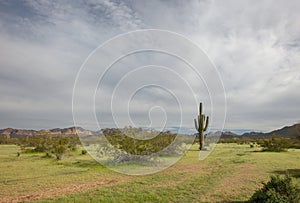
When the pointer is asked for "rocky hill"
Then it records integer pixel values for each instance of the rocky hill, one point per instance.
(287, 132)
(55, 132)
(291, 131)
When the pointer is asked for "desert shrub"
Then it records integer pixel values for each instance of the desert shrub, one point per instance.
(237, 140)
(136, 146)
(57, 145)
(277, 190)
(294, 143)
(275, 144)
(6, 139)
(124, 148)
(115, 156)
(61, 146)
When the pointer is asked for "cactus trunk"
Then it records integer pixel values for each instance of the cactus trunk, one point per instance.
(201, 125)
(201, 140)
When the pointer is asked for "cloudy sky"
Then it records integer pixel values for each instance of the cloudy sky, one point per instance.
(254, 46)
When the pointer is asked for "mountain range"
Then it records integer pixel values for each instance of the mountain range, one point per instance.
(287, 132)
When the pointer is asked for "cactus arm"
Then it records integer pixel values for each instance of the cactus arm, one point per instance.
(200, 117)
(196, 124)
(206, 123)
(200, 108)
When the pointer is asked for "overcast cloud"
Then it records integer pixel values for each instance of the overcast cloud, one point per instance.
(255, 46)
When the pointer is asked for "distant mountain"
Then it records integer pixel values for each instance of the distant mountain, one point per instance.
(290, 131)
(17, 132)
(56, 131)
(287, 132)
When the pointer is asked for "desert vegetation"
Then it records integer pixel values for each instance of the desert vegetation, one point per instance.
(149, 142)
(277, 190)
(273, 144)
(50, 145)
(46, 168)
(233, 172)
(134, 146)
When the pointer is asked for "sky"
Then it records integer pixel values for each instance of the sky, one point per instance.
(253, 47)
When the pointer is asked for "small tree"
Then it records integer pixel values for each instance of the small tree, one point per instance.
(201, 124)
(60, 147)
(4, 139)
(59, 151)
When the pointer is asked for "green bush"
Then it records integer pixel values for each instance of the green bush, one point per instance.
(137, 146)
(277, 190)
(57, 145)
(275, 144)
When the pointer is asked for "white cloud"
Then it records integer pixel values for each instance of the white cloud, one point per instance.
(255, 46)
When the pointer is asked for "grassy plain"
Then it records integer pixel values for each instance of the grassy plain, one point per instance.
(231, 173)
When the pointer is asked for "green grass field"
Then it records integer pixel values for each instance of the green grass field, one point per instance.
(230, 174)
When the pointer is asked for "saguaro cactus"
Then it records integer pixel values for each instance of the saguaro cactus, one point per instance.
(201, 124)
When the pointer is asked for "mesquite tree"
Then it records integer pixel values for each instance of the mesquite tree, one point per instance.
(201, 124)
